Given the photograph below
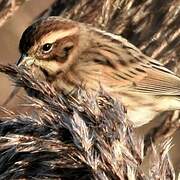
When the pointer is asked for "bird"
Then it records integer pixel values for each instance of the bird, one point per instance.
(69, 54)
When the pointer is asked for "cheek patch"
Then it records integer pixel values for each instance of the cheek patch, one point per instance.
(63, 51)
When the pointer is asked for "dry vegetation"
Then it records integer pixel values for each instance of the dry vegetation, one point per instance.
(84, 138)
(90, 137)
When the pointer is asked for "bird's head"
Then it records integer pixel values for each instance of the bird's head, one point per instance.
(51, 44)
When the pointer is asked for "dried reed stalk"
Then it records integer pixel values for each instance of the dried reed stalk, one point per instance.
(84, 138)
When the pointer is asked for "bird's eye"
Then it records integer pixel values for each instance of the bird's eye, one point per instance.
(47, 47)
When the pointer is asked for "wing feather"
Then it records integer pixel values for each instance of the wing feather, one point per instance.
(140, 73)
(158, 82)
(144, 74)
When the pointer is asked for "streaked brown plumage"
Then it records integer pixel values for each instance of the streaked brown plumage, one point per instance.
(69, 54)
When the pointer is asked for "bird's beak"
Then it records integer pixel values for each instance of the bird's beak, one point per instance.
(25, 60)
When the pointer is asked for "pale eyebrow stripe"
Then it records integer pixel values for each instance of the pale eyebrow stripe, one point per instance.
(53, 36)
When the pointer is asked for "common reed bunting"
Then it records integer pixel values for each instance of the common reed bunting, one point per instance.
(69, 55)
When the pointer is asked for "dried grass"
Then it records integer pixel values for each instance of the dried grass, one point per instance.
(67, 138)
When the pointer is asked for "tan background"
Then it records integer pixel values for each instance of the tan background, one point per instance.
(10, 34)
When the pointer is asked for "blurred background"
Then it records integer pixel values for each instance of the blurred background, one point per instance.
(10, 34)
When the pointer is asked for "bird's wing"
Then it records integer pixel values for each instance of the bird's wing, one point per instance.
(130, 68)
(157, 82)
(146, 75)
(118, 64)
